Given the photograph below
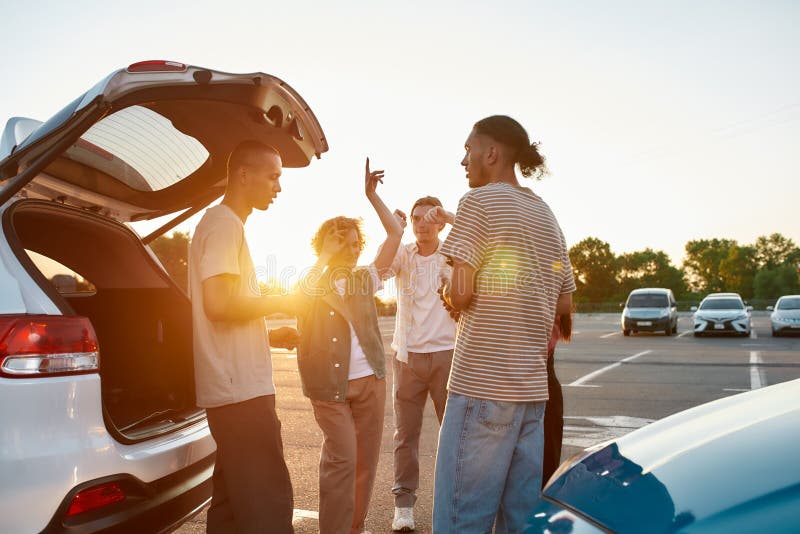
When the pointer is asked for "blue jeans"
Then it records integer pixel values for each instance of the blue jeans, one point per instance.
(488, 465)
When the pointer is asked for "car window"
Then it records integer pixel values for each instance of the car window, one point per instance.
(647, 300)
(722, 304)
(140, 148)
(65, 280)
(789, 304)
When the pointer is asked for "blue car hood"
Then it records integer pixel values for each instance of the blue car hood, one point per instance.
(729, 465)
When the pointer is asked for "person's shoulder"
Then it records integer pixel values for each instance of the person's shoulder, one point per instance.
(219, 219)
(490, 191)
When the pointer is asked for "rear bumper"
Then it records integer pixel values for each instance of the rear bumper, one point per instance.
(158, 506)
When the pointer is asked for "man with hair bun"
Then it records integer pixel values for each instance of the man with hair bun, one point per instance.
(511, 277)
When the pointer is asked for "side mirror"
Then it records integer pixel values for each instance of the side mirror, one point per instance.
(694, 308)
(770, 308)
(749, 308)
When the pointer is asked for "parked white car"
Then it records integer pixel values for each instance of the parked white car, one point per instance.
(785, 317)
(722, 313)
(100, 430)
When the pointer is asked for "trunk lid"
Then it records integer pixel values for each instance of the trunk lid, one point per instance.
(153, 139)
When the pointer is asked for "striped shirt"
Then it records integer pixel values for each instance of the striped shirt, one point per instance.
(513, 241)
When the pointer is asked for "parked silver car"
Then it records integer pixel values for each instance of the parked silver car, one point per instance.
(722, 313)
(651, 309)
(785, 317)
(100, 429)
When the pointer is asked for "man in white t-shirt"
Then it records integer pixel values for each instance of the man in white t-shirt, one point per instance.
(233, 368)
(424, 337)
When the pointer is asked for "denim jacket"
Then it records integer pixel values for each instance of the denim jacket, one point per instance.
(323, 356)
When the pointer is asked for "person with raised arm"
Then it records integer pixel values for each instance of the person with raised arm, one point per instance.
(342, 361)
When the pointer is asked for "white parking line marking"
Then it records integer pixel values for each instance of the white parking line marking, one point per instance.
(753, 334)
(684, 333)
(289, 354)
(590, 376)
(609, 335)
(305, 514)
(757, 378)
(602, 429)
(736, 390)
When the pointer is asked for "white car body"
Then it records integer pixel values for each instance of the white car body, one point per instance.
(82, 426)
(722, 313)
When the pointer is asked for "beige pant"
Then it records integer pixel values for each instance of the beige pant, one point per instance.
(350, 453)
(423, 375)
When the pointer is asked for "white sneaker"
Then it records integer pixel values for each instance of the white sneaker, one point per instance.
(403, 519)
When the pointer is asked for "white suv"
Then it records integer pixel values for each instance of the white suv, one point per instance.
(100, 430)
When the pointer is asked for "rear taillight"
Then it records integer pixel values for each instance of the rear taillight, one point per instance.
(94, 498)
(157, 65)
(47, 345)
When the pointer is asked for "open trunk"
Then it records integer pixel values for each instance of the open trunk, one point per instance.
(141, 317)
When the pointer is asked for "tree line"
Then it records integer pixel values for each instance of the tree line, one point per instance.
(765, 269)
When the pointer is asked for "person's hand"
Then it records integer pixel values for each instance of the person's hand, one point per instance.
(371, 179)
(443, 290)
(332, 244)
(284, 337)
(438, 215)
(401, 218)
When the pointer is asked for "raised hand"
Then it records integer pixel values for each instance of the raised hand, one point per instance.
(438, 215)
(333, 243)
(371, 179)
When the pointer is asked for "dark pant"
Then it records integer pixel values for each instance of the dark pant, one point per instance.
(553, 422)
(252, 489)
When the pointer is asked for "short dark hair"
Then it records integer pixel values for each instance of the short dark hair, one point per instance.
(510, 133)
(425, 201)
(246, 151)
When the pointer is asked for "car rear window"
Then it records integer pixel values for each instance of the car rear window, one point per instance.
(65, 280)
(789, 304)
(648, 300)
(722, 304)
(140, 148)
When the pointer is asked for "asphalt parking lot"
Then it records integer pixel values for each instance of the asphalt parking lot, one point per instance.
(612, 385)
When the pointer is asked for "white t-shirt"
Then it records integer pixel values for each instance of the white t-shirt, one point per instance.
(431, 326)
(359, 366)
(232, 361)
(440, 333)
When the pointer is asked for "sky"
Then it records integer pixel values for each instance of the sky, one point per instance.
(661, 122)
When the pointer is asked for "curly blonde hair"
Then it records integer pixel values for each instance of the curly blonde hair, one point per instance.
(340, 223)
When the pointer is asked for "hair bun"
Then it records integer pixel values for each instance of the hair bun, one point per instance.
(531, 162)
